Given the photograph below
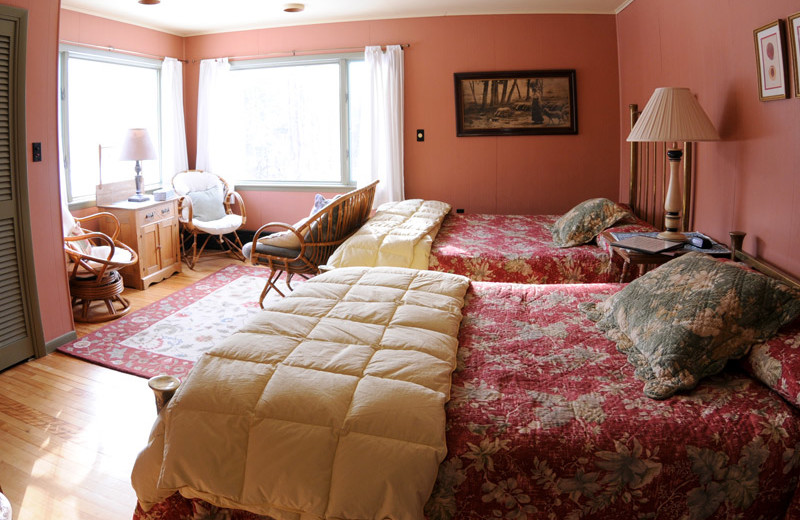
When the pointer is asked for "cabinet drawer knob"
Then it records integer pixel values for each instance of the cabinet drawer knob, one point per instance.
(150, 215)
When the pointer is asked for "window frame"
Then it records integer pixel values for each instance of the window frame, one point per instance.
(65, 52)
(346, 181)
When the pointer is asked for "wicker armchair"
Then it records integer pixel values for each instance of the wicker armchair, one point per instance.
(204, 207)
(94, 261)
(313, 239)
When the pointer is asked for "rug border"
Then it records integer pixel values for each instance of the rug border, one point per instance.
(147, 364)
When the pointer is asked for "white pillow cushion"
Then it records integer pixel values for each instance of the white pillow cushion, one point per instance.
(285, 239)
(207, 204)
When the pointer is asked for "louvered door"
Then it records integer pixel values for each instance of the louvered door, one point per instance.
(19, 320)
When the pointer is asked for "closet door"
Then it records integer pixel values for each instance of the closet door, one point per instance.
(20, 330)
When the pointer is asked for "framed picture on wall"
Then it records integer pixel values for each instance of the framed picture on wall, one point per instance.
(794, 50)
(773, 80)
(528, 102)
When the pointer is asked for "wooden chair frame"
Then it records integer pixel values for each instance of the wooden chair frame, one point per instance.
(94, 278)
(189, 232)
(319, 236)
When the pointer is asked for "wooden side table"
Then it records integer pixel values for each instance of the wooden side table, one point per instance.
(151, 229)
(643, 261)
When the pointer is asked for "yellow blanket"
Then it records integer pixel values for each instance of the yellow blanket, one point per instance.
(329, 404)
(400, 234)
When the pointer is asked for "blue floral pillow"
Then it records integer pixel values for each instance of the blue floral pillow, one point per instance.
(682, 321)
(585, 221)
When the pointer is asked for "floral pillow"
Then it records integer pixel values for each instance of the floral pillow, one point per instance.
(585, 221)
(776, 363)
(682, 321)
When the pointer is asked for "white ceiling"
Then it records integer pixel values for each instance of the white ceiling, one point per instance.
(193, 17)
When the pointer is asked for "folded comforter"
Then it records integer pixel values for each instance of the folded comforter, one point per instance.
(329, 404)
(400, 234)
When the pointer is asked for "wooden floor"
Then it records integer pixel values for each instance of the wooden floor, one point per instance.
(70, 430)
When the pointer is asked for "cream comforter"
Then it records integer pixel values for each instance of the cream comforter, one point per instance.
(400, 234)
(328, 404)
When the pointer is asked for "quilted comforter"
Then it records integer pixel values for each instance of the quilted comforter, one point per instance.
(400, 234)
(329, 404)
(520, 249)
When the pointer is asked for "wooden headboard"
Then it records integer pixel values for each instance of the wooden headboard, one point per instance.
(649, 174)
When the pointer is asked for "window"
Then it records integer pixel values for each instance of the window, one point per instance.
(296, 121)
(102, 95)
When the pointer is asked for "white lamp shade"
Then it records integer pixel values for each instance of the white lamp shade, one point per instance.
(137, 146)
(673, 115)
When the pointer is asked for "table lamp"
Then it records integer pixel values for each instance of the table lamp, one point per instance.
(673, 115)
(137, 146)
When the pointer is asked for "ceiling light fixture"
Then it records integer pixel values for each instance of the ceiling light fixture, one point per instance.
(149, 2)
(293, 8)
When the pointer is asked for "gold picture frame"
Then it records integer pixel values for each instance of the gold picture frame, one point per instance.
(794, 50)
(773, 79)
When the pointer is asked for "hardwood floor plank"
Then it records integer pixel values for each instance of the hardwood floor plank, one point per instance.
(70, 430)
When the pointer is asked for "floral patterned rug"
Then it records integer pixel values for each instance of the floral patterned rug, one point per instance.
(168, 336)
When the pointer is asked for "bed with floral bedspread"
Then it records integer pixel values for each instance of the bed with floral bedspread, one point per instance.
(520, 249)
(547, 421)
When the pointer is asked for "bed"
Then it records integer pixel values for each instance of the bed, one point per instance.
(547, 420)
(520, 249)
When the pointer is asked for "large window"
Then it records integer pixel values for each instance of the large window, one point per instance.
(296, 121)
(102, 95)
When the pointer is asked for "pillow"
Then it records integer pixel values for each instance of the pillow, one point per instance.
(585, 221)
(207, 205)
(285, 239)
(319, 203)
(776, 363)
(684, 320)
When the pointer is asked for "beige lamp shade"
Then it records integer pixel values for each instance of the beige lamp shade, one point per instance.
(673, 115)
(137, 146)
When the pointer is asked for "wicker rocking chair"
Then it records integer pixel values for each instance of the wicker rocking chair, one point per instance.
(94, 261)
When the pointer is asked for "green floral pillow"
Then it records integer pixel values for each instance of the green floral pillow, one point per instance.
(585, 221)
(683, 321)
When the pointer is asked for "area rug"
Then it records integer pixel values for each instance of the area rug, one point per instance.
(170, 335)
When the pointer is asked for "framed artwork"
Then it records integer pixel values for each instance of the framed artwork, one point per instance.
(773, 80)
(794, 50)
(528, 102)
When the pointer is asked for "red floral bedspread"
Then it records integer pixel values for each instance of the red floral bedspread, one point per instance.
(546, 421)
(519, 249)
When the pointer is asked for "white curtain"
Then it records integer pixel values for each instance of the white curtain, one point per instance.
(385, 122)
(173, 141)
(212, 118)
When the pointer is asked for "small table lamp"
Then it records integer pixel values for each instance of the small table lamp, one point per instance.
(137, 147)
(673, 115)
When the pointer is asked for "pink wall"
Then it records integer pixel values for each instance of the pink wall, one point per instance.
(525, 174)
(749, 179)
(84, 28)
(40, 120)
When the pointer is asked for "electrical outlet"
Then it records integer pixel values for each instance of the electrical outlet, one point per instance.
(460, 210)
(36, 152)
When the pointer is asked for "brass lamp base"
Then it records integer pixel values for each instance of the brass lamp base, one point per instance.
(673, 236)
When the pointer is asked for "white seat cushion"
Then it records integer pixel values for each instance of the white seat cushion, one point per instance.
(221, 226)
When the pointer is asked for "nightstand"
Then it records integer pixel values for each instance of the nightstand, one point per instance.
(151, 229)
(643, 261)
